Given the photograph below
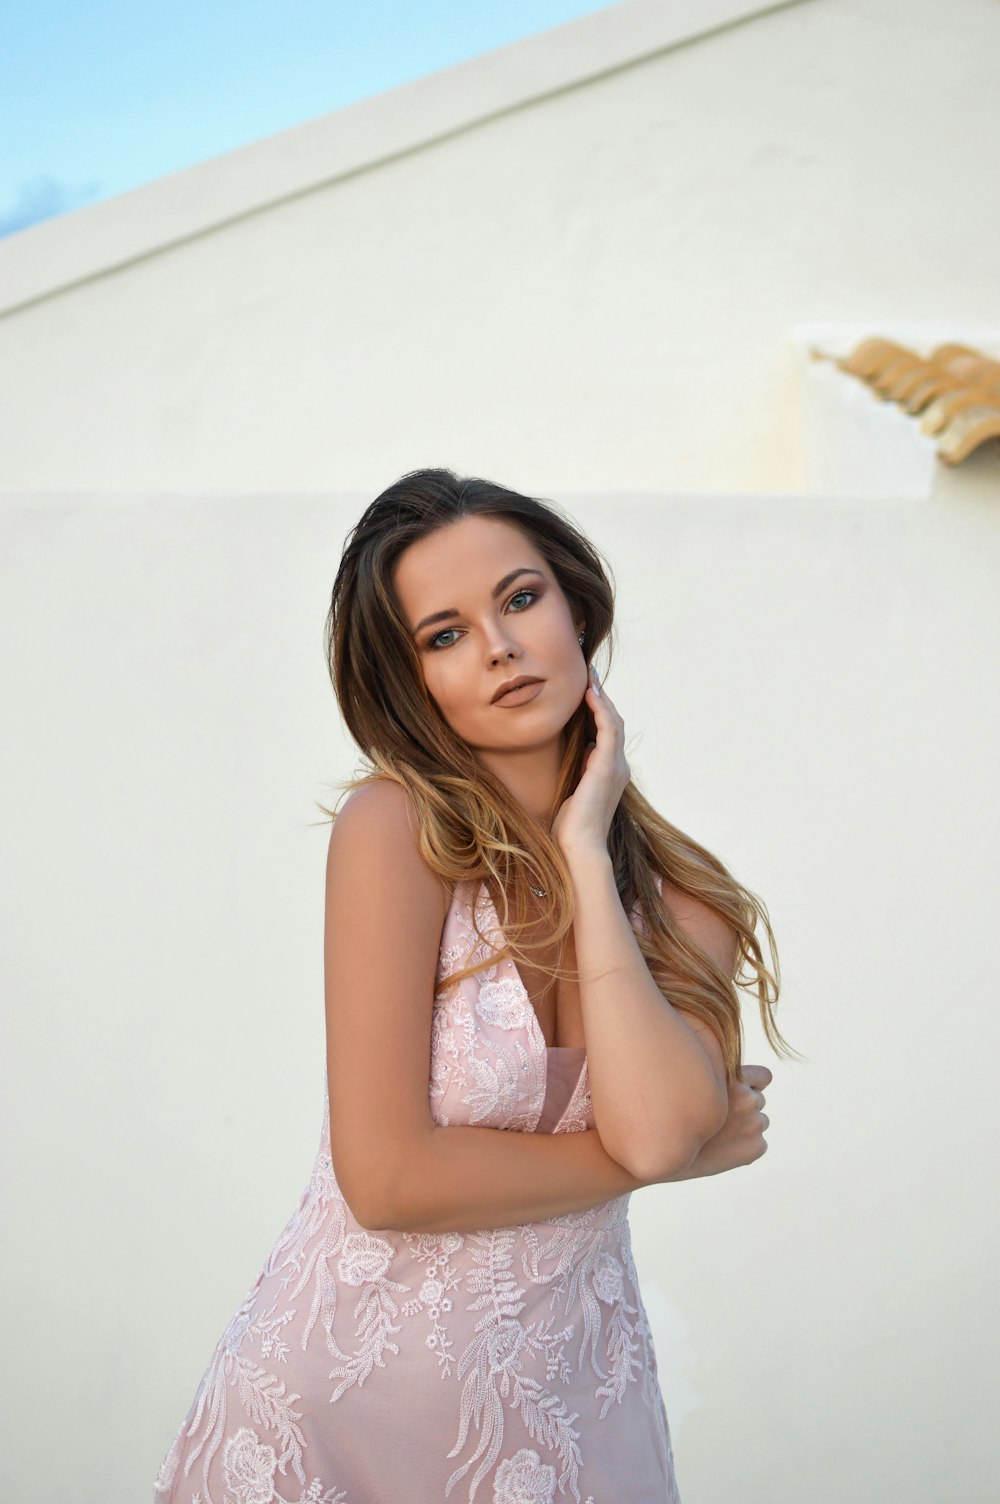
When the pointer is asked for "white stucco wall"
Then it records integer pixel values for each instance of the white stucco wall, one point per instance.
(810, 690)
(593, 288)
(601, 295)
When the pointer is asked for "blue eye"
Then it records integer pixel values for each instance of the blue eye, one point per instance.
(432, 642)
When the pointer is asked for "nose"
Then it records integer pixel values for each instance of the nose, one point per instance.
(501, 645)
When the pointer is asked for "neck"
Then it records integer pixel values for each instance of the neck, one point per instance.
(530, 776)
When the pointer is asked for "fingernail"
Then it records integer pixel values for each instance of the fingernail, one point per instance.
(597, 687)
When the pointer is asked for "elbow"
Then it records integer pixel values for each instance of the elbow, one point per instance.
(372, 1212)
(362, 1206)
(656, 1165)
(366, 1198)
(382, 1198)
(715, 1116)
(674, 1152)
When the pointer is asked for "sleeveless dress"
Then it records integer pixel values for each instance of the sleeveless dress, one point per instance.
(509, 1366)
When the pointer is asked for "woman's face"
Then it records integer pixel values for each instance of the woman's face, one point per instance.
(500, 614)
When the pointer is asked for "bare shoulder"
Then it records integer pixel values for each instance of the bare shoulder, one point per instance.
(382, 805)
(704, 926)
(374, 843)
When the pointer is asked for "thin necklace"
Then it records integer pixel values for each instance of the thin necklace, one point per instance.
(539, 892)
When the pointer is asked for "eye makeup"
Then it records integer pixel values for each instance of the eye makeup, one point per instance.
(436, 647)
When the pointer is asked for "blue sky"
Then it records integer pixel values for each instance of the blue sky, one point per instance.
(98, 97)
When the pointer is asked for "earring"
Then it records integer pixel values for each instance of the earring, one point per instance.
(581, 637)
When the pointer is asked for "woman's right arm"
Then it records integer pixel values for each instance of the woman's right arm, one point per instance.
(396, 1167)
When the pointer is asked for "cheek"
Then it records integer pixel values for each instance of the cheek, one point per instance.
(580, 675)
(568, 646)
(445, 688)
(577, 669)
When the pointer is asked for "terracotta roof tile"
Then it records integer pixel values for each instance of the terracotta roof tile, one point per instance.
(955, 391)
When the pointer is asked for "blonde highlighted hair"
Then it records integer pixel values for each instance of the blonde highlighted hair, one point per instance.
(470, 828)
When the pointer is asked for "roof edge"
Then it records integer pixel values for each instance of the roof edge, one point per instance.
(47, 258)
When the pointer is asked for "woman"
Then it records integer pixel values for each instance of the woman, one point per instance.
(532, 1012)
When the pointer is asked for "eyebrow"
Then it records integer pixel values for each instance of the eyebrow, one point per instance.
(498, 588)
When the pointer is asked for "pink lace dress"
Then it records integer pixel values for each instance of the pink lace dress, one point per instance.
(510, 1366)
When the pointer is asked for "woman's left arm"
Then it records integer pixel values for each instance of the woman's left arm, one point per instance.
(657, 1081)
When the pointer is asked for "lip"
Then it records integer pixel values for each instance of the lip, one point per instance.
(521, 695)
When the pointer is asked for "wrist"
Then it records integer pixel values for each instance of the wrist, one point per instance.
(584, 856)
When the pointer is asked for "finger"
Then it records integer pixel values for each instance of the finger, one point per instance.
(601, 707)
(603, 697)
(599, 696)
(757, 1075)
(596, 696)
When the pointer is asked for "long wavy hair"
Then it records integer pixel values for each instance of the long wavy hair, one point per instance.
(470, 828)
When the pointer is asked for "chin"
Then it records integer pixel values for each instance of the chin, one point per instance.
(544, 728)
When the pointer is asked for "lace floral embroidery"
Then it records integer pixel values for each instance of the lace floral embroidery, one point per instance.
(496, 1362)
(436, 1252)
(542, 1321)
(502, 1004)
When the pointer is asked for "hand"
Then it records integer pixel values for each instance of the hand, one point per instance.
(583, 819)
(740, 1140)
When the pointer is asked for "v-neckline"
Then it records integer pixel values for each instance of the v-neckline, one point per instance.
(567, 1049)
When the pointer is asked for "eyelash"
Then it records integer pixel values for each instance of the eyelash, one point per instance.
(432, 641)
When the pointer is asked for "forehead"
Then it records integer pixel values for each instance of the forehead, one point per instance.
(471, 554)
